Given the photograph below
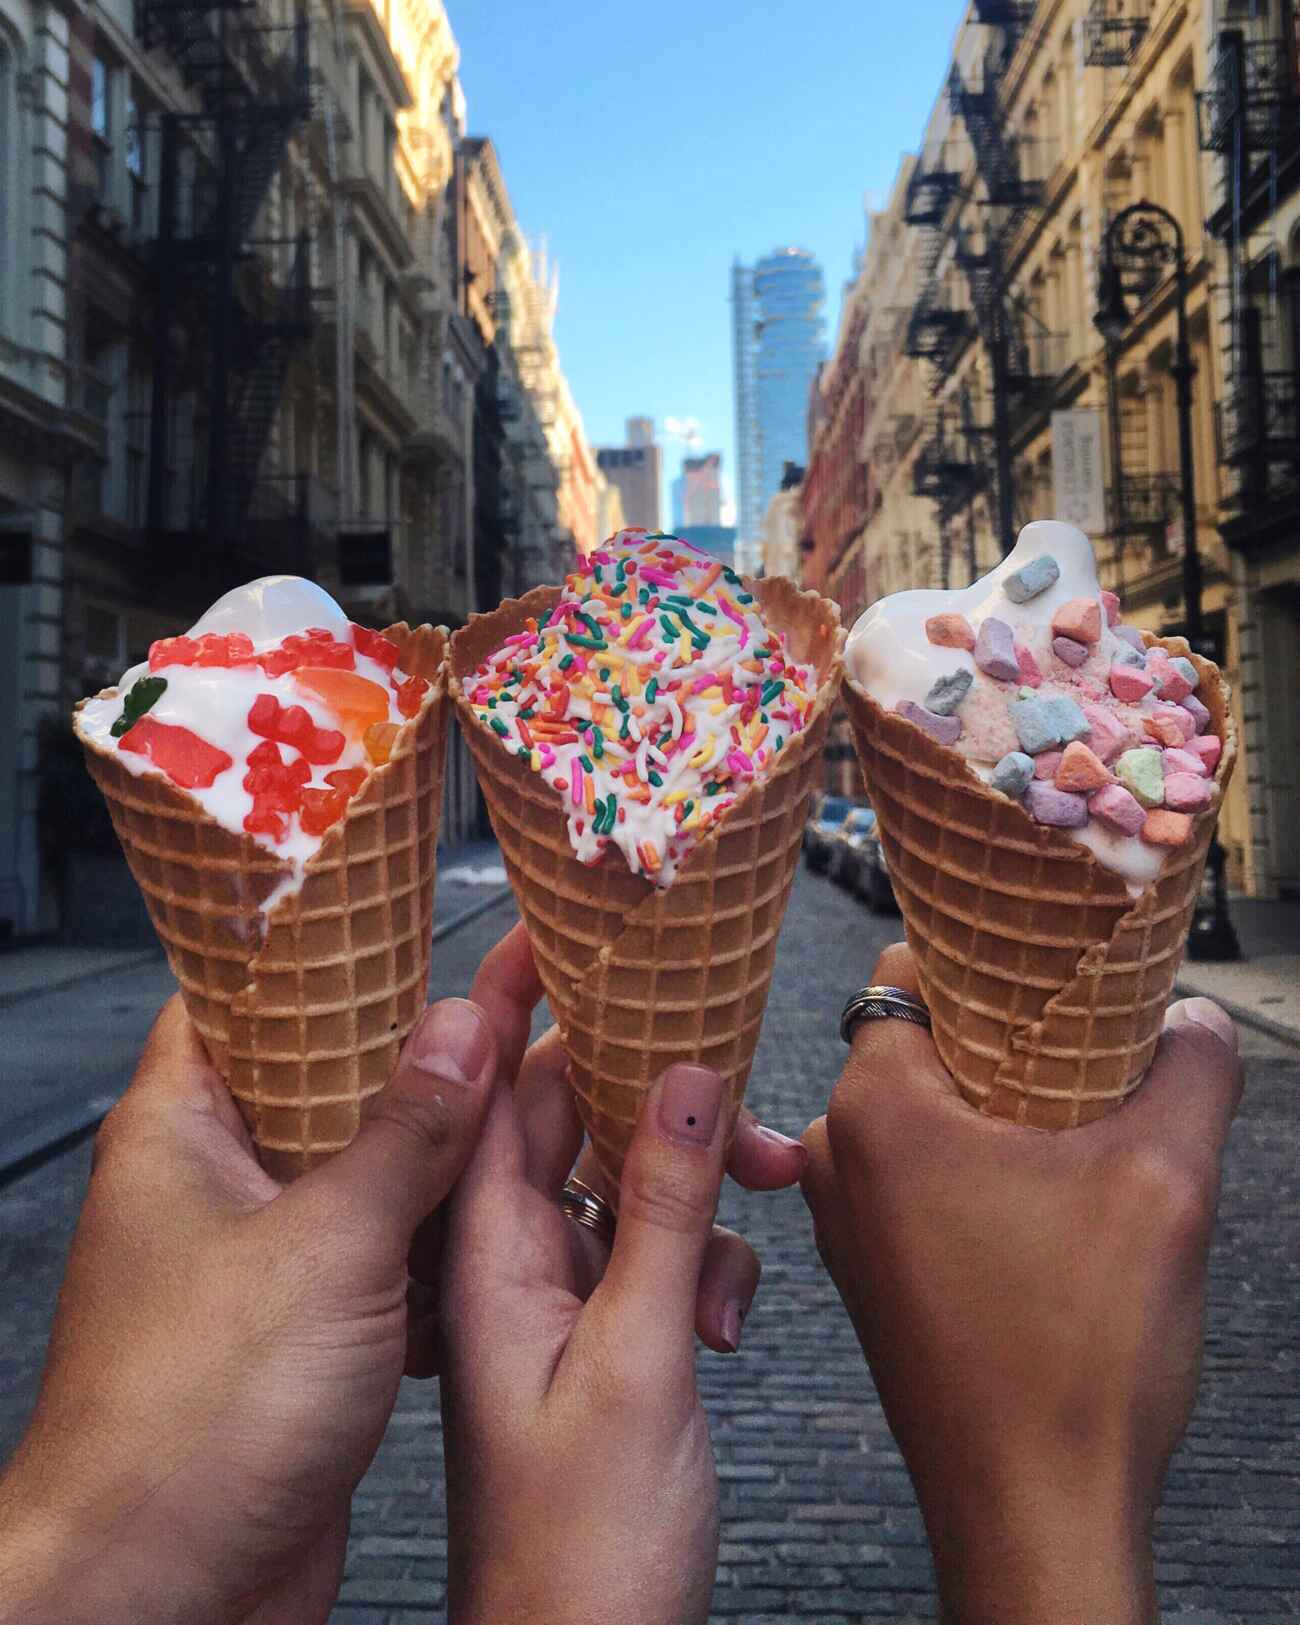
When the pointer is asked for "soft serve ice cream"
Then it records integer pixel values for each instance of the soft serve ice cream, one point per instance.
(271, 712)
(1032, 677)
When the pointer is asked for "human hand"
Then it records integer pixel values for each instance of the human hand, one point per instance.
(1031, 1306)
(226, 1352)
(581, 1483)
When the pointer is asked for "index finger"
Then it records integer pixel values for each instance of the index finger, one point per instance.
(507, 989)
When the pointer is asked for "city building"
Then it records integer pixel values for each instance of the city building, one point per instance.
(783, 528)
(636, 469)
(778, 333)
(702, 489)
(677, 494)
(264, 306)
(1020, 341)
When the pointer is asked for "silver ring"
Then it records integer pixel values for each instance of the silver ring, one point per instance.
(581, 1204)
(876, 1003)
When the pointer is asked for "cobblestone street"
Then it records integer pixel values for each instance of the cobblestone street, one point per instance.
(819, 1519)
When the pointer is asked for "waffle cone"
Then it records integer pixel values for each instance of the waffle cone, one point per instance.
(640, 976)
(1046, 981)
(302, 1010)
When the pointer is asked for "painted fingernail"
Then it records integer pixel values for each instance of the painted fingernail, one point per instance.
(1205, 1013)
(689, 1102)
(452, 1042)
(733, 1321)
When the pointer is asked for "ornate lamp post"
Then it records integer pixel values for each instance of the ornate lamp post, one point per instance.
(1145, 240)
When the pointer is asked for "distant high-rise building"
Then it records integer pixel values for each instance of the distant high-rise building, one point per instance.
(778, 332)
(702, 490)
(635, 469)
(677, 490)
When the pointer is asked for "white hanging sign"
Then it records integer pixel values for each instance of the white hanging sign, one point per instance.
(1078, 482)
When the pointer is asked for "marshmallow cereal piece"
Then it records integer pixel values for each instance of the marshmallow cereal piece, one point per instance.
(1208, 747)
(949, 691)
(1117, 809)
(947, 730)
(1013, 774)
(1107, 734)
(1110, 603)
(1163, 729)
(1164, 828)
(1065, 717)
(1031, 579)
(1187, 792)
(1181, 760)
(1182, 664)
(1132, 637)
(1139, 771)
(950, 632)
(1199, 714)
(1170, 682)
(1130, 684)
(1069, 652)
(1030, 675)
(995, 650)
(1045, 766)
(1081, 770)
(1080, 619)
(1033, 724)
(1046, 804)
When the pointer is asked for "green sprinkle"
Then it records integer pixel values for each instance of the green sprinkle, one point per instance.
(618, 588)
(586, 762)
(597, 743)
(662, 536)
(626, 729)
(616, 694)
(523, 751)
(678, 598)
(655, 780)
(626, 611)
(762, 654)
(597, 572)
(586, 643)
(669, 629)
(604, 674)
(498, 726)
(688, 807)
(744, 598)
(643, 597)
(587, 621)
(530, 712)
(566, 662)
(771, 691)
(701, 640)
(730, 576)
(143, 696)
(712, 788)
(652, 688)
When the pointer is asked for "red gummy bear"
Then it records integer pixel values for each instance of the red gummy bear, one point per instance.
(376, 646)
(294, 727)
(409, 694)
(186, 759)
(317, 647)
(323, 808)
(172, 652)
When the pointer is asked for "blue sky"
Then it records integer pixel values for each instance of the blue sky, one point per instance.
(650, 144)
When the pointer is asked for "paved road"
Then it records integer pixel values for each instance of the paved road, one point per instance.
(819, 1521)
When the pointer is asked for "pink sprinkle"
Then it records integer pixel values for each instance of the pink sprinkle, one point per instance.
(599, 558)
(547, 755)
(732, 614)
(701, 683)
(637, 640)
(557, 615)
(575, 785)
(738, 762)
(519, 637)
(776, 667)
(660, 577)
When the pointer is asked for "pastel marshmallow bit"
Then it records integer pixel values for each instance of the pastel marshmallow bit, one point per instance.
(1124, 656)
(1130, 684)
(995, 650)
(1163, 730)
(947, 730)
(1131, 636)
(950, 632)
(1031, 579)
(1079, 619)
(1182, 761)
(1029, 672)
(1110, 603)
(1198, 713)
(1183, 664)
(1209, 747)
(1187, 792)
(1170, 682)
(1067, 650)
(1045, 804)
(948, 692)
(1033, 724)
(1045, 766)
(1179, 721)
(1140, 772)
(1066, 717)
(1118, 809)
(1164, 828)
(1081, 770)
(1107, 734)
(1013, 774)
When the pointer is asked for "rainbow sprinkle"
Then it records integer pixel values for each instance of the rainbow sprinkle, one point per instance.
(648, 699)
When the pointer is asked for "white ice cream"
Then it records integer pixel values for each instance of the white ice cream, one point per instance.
(214, 702)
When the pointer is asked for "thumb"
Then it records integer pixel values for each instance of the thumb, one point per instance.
(1190, 1096)
(417, 1133)
(668, 1195)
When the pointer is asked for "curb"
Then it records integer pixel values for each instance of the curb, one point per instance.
(142, 958)
(1244, 1014)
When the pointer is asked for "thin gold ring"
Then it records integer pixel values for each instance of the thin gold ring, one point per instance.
(880, 1003)
(583, 1206)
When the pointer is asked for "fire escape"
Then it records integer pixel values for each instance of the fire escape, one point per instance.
(1250, 117)
(1112, 32)
(245, 300)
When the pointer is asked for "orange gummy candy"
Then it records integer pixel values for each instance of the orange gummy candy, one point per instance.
(379, 740)
(356, 701)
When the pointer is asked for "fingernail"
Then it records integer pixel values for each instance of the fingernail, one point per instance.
(1205, 1013)
(689, 1102)
(783, 1140)
(733, 1320)
(452, 1042)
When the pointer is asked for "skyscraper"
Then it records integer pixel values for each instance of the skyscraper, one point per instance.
(778, 332)
(702, 489)
(634, 468)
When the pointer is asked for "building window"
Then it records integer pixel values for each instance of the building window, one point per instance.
(101, 126)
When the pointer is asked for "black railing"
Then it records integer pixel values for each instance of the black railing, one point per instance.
(1112, 31)
(1259, 418)
(936, 333)
(930, 191)
(1250, 80)
(1149, 502)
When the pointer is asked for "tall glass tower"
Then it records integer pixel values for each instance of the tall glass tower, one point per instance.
(779, 340)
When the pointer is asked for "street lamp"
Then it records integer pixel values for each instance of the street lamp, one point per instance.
(1144, 239)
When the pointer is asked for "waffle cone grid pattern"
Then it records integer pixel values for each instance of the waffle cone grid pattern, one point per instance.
(639, 976)
(1047, 983)
(303, 1011)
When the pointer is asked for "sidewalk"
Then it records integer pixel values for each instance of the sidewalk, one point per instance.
(1263, 988)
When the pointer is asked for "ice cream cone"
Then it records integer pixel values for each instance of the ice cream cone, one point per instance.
(303, 1009)
(1046, 980)
(640, 976)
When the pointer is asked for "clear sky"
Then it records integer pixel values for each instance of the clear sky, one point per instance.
(650, 144)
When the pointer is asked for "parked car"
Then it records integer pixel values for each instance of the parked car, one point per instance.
(869, 873)
(845, 842)
(829, 813)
